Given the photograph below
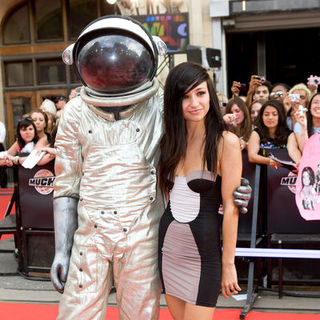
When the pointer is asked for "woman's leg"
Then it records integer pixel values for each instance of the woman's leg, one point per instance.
(175, 306)
(192, 312)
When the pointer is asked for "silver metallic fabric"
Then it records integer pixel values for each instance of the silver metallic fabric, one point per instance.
(110, 166)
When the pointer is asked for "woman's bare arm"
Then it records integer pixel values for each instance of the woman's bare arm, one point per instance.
(230, 165)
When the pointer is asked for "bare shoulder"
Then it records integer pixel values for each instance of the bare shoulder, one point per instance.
(230, 140)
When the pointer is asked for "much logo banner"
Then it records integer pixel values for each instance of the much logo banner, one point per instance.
(308, 181)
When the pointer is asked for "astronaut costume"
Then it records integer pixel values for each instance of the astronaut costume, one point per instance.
(106, 203)
(106, 156)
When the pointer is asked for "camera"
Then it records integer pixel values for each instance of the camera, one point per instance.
(242, 87)
(294, 97)
(262, 78)
(314, 80)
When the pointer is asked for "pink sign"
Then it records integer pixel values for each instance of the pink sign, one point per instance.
(308, 181)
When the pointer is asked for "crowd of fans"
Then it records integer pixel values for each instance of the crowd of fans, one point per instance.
(35, 131)
(273, 116)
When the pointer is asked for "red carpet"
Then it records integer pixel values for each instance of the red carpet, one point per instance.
(19, 311)
(5, 197)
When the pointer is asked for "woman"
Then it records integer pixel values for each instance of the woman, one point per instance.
(27, 140)
(196, 156)
(40, 119)
(254, 110)
(271, 133)
(241, 124)
(308, 123)
(298, 95)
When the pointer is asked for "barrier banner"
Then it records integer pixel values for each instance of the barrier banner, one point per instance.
(283, 213)
(35, 196)
(308, 182)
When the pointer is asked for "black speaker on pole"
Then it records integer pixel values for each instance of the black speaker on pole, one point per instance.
(207, 57)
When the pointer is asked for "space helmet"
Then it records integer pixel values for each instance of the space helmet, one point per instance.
(115, 56)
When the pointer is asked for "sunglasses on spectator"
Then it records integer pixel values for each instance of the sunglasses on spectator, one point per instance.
(276, 94)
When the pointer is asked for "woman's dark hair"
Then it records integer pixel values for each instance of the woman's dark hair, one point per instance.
(182, 79)
(309, 116)
(44, 115)
(24, 123)
(311, 175)
(245, 127)
(281, 134)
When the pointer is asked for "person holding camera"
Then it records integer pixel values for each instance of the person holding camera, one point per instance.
(259, 88)
(299, 95)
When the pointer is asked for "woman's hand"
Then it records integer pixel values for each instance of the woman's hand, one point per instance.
(229, 118)
(274, 164)
(301, 118)
(243, 144)
(229, 282)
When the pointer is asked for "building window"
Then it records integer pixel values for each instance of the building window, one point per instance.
(48, 15)
(16, 27)
(81, 13)
(51, 71)
(18, 73)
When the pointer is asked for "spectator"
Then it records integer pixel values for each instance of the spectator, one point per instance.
(240, 123)
(61, 102)
(27, 140)
(299, 94)
(73, 94)
(271, 133)
(279, 91)
(308, 123)
(223, 100)
(49, 107)
(259, 88)
(254, 109)
(40, 119)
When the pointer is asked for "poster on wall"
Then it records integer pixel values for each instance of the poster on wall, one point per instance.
(308, 181)
(173, 29)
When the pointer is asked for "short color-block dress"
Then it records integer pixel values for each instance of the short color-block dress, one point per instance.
(189, 239)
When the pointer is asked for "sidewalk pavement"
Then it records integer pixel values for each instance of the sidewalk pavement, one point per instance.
(18, 289)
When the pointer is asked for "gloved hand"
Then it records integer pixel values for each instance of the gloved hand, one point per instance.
(242, 195)
(65, 224)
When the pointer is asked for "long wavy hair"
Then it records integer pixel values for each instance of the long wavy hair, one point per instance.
(281, 134)
(182, 79)
(24, 123)
(309, 116)
(245, 127)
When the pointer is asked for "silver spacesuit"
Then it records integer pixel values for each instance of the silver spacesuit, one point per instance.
(107, 146)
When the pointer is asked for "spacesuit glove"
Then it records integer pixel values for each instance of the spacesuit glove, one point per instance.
(65, 224)
(242, 195)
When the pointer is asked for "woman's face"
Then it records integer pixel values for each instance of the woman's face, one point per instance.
(303, 96)
(238, 113)
(255, 108)
(196, 103)
(315, 107)
(27, 133)
(39, 121)
(306, 181)
(270, 117)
